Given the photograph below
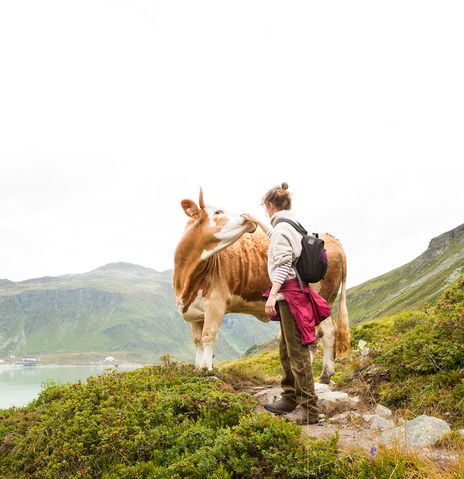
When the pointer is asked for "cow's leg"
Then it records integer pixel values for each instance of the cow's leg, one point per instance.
(213, 319)
(197, 330)
(328, 343)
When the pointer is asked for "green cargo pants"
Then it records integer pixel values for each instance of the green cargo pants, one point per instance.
(297, 380)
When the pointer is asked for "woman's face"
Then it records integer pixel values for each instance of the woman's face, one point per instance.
(270, 209)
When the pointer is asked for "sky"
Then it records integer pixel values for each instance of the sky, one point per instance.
(112, 112)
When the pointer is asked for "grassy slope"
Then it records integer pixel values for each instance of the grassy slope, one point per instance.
(170, 422)
(115, 308)
(416, 362)
(409, 286)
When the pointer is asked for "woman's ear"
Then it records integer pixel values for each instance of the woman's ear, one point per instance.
(190, 208)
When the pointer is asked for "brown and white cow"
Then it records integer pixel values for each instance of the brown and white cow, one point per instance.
(220, 266)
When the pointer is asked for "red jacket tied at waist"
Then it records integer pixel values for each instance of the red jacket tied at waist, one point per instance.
(307, 307)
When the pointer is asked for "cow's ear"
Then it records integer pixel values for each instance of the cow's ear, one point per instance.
(190, 208)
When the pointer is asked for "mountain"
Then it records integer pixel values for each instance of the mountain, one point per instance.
(411, 285)
(118, 308)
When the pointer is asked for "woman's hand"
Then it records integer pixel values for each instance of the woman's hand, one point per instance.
(254, 220)
(249, 217)
(270, 305)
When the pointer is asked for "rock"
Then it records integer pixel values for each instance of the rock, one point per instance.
(382, 411)
(345, 417)
(461, 432)
(355, 401)
(365, 352)
(342, 418)
(361, 344)
(334, 402)
(321, 388)
(378, 423)
(268, 395)
(423, 431)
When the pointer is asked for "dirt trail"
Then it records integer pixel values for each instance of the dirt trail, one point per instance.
(354, 432)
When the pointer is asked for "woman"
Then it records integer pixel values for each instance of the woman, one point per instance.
(291, 303)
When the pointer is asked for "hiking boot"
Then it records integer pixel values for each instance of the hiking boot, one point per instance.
(300, 417)
(281, 406)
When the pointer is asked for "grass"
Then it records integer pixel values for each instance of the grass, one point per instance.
(173, 422)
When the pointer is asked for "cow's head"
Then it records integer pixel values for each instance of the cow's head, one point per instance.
(211, 229)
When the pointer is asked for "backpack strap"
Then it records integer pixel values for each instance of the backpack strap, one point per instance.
(295, 224)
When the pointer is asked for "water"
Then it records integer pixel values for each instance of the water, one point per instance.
(19, 385)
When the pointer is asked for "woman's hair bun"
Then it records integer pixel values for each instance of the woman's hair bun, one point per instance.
(284, 186)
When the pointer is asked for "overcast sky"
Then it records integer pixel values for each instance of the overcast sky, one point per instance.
(112, 112)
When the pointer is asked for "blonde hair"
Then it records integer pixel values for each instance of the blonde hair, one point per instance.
(279, 197)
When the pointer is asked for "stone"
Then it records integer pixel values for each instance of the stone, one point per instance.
(378, 423)
(342, 418)
(423, 431)
(382, 411)
(321, 388)
(355, 401)
(361, 344)
(461, 432)
(365, 352)
(367, 417)
(333, 402)
(268, 395)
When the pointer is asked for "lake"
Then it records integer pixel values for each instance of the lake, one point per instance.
(19, 385)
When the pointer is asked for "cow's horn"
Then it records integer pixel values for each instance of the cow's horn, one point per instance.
(201, 201)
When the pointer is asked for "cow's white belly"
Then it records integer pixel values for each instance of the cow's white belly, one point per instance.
(197, 310)
(256, 308)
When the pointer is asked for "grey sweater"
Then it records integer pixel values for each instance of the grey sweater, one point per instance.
(285, 244)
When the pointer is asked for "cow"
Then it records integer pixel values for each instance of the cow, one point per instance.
(220, 266)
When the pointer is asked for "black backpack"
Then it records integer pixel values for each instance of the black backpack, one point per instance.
(312, 263)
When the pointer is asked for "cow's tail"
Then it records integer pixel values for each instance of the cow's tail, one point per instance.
(343, 334)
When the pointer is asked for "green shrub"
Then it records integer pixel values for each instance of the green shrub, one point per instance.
(168, 422)
(420, 356)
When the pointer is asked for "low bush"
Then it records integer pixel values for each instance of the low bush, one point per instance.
(169, 423)
(418, 358)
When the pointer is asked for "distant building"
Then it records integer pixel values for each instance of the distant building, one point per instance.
(28, 361)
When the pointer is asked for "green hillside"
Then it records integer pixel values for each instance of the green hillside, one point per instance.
(172, 422)
(118, 308)
(409, 286)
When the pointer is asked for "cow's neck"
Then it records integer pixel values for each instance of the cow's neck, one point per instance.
(193, 276)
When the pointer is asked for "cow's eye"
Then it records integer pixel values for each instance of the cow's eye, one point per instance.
(219, 212)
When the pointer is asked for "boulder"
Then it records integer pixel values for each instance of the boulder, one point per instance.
(377, 422)
(334, 402)
(423, 431)
(345, 417)
(382, 411)
(321, 388)
(342, 418)
(268, 395)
